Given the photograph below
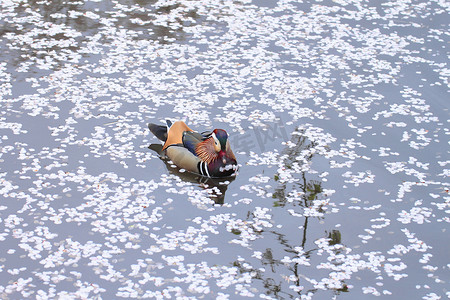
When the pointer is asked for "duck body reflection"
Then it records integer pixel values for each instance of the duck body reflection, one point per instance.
(216, 187)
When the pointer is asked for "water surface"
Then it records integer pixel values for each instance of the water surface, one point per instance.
(337, 112)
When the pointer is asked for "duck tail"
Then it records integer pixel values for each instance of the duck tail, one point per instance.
(159, 131)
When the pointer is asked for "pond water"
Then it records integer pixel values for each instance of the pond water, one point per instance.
(337, 112)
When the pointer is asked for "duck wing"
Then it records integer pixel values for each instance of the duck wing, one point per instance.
(191, 139)
(200, 145)
(175, 134)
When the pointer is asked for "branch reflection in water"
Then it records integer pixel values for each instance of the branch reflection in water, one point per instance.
(65, 27)
(216, 187)
(310, 190)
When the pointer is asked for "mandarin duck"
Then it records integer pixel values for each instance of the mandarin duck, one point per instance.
(207, 153)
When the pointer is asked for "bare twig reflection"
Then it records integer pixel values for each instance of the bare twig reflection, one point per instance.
(311, 190)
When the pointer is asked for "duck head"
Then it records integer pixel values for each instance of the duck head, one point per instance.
(225, 164)
(216, 153)
(220, 138)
